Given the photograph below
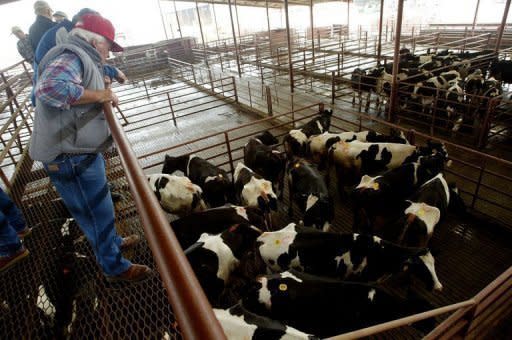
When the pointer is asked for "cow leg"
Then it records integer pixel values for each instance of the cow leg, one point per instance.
(367, 105)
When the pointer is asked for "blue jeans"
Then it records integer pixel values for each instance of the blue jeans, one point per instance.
(11, 222)
(82, 183)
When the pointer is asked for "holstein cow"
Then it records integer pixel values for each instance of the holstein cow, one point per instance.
(325, 306)
(307, 188)
(502, 70)
(428, 89)
(214, 257)
(239, 323)
(365, 80)
(296, 140)
(254, 191)
(377, 199)
(266, 161)
(423, 211)
(354, 159)
(354, 257)
(177, 194)
(188, 229)
(319, 144)
(216, 185)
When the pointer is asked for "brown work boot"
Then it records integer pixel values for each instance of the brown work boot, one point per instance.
(9, 261)
(135, 273)
(24, 233)
(129, 241)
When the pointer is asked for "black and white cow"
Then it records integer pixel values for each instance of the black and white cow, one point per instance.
(189, 228)
(216, 185)
(295, 141)
(307, 188)
(423, 211)
(502, 70)
(319, 144)
(428, 89)
(377, 199)
(354, 159)
(325, 306)
(354, 257)
(365, 81)
(455, 104)
(253, 190)
(177, 194)
(239, 323)
(214, 257)
(266, 161)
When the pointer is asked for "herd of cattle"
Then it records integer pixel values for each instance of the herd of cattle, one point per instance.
(262, 279)
(459, 86)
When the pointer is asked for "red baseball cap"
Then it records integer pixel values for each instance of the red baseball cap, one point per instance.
(98, 24)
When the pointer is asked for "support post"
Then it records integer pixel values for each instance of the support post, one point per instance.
(502, 27)
(202, 34)
(234, 39)
(163, 21)
(289, 45)
(269, 35)
(215, 20)
(394, 85)
(269, 101)
(474, 18)
(311, 24)
(379, 46)
(348, 18)
(172, 110)
(177, 19)
(333, 86)
(234, 89)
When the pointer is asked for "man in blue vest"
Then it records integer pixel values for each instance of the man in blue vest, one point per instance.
(42, 24)
(70, 133)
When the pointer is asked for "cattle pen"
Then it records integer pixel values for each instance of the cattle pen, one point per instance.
(208, 97)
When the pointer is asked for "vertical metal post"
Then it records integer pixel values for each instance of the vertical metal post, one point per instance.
(228, 148)
(215, 20)
(311, 24)
(172, 110)
(269, 101)
(502, 27)
(249, 90)
(394, 87)
(269, 35)
(146, 88)
(289, 44)
(163, 21)
(177, 19)
(379, 46)
(234, 89)
(237, 23)
(333, 86)
(348, 18)
(202, 35)
(234, 39)
(474, 19)
(477, 189)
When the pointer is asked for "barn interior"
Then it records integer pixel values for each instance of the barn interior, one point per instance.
(218, 81)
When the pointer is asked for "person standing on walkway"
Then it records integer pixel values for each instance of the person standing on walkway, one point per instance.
(12, 229)
(23, 45)
(70, 133)
(42, 24)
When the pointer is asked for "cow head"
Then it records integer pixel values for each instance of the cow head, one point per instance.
(422, 265)
(325, 120)
(254, 215)
(267, 138)
(421, 219)
(172, 164)
(434, 148)
(456, 203)
(218, 190)
(240, 238)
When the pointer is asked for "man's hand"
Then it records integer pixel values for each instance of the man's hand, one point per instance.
(109, 96)
(121, 77)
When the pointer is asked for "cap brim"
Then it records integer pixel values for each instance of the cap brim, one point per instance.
(116, 47)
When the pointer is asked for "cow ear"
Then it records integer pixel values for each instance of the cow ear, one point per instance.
(167, 157)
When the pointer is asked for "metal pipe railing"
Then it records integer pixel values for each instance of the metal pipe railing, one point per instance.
(193, 311)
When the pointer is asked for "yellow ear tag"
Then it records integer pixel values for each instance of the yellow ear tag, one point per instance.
(278, 242)
(297, 165)
(421, 212)
(375, 186)
(283, 287)
(220, 176)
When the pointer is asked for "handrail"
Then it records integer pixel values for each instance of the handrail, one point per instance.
(386, 326)
(193, 311)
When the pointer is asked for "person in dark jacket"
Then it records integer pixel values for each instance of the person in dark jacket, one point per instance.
(70, 133)
(42, 24)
